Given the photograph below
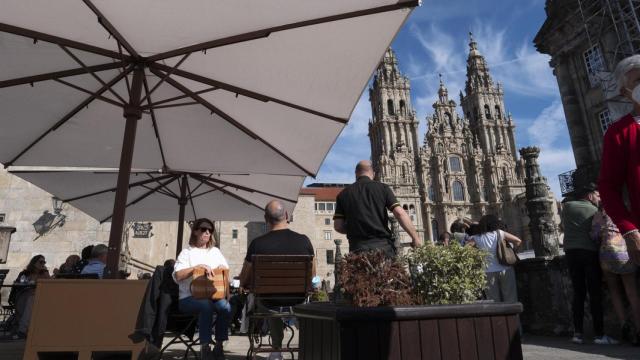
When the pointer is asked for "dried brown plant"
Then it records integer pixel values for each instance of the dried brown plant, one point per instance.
(372, 279)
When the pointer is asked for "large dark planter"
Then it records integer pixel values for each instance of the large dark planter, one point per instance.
(471, 331)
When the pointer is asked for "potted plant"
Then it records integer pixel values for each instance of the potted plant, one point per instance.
(430, 312)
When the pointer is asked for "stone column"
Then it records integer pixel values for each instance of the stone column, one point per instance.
(5, 239)
(544, 233)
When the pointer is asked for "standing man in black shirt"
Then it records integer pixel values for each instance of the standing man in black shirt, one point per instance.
(361, 214)
(279, 240)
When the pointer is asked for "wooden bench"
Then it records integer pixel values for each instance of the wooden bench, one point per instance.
(285, 279)
(83, 318)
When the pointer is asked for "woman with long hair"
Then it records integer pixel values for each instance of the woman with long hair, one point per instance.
(23, 293)
(202, 254)
(501, 279)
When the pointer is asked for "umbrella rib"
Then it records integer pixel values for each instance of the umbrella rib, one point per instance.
(175, 105)
(111, 29)
(84, 66)
(193, 206)
(70, 114)
(169, 191)
(105, 99)
(233, 122)
(143, 196)
(154, 122)
(59, 74)
(171, 70)
(237, 197)
(60, 41)
(244, 188)
(126, 78)
(160, 191)
(155, 104)
(138, 183)
(258, 34)
(245, 92)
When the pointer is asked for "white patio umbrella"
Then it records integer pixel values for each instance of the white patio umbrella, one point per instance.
(205, 86)
(158, 196)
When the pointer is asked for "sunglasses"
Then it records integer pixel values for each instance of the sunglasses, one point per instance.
(204, 229)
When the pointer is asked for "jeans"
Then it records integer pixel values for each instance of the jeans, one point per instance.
(501, 286)
(205, 308)
(584, 269)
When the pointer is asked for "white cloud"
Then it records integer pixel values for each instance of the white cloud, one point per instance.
(549, 131)
(358, 125)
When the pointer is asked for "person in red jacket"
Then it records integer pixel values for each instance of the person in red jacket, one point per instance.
(620, 166)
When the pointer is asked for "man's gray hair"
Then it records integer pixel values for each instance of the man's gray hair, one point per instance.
(99, 250)
(274, 212)
(623, 67)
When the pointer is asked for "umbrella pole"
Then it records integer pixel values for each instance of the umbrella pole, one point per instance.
(132, 113)
(183, 203)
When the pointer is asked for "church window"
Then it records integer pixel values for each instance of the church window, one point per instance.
(605, 120)
(434, 230)
(505, 172)
(498, 113)
(440, 148)
(327, 235)
(455, 164)
(458, 191)
(402, 108)
(487, 112)
(448, 116)
(234, 233)
(487, 191)
(412, 212)
(594, 62)
(405, 207)
(390, 107)
(432, 193)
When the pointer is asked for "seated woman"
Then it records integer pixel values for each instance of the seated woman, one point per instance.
(22, 295)
(201, 253)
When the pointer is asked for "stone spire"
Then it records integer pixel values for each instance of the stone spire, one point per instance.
(443, 93)
(478, 77)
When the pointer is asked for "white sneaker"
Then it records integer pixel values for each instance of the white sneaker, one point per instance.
(275, 356)
(605, 340)
(577, 338)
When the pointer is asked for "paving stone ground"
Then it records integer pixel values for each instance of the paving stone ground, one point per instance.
(534, 348)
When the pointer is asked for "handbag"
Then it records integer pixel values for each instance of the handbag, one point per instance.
(505, 253)
(214, 287)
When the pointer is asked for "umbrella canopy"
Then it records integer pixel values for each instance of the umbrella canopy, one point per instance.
(157, 196)
(205, 86)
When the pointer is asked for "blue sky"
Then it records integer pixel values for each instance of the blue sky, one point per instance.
(435, 40)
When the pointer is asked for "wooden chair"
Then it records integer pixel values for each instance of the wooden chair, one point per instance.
(277, 279)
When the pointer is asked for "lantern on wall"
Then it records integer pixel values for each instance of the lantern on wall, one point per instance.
(5, 239)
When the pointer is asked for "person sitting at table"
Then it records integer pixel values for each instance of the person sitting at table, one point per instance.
(68, 266)
(98, 261)
(23, 292)
(201, 253)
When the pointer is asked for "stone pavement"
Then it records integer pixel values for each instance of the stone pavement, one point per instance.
(534, 348)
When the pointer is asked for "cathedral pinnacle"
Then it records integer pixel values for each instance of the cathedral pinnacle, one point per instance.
(473, 46)
(443, 92)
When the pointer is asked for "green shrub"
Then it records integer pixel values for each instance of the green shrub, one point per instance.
(447, 274)
(319, 296)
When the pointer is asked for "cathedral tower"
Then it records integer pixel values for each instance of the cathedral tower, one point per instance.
(393, 134)
(492, 129)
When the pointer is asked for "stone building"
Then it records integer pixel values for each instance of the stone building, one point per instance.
(586, 39)
(467, 165)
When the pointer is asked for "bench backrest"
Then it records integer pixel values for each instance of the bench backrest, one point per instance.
(3, 275)
(281, 274)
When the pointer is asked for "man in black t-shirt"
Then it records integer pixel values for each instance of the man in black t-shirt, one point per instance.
(279, 240)
(361, 214)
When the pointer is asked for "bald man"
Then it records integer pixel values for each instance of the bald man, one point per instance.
(279, 240)
(361, 214)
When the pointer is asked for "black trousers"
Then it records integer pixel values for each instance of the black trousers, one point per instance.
(584, 269)
(386, 245)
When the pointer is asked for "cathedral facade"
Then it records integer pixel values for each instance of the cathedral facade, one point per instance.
(467, 165)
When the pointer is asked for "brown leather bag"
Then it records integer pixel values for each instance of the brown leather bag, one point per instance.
(505, 253)
(214, 287)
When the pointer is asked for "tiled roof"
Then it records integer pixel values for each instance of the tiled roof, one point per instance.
(322, 193)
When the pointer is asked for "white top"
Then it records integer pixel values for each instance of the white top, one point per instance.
(192, 256)
(489, 241)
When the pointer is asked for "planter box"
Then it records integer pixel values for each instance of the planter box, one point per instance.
(470, 331)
